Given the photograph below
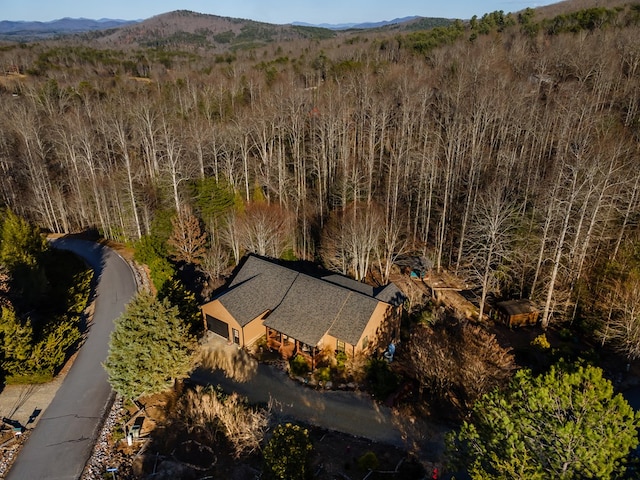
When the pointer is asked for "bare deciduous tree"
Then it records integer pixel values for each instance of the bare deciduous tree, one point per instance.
(187, 239)
(458, 361)
(350, 239)
(490, 241)
(264, 229)
(215, 260)
(622, 328)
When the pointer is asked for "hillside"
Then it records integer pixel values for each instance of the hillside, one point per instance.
(186, 29)
(426, 134)
(568, 6)
(359, 26)
(190, 30)
(501, 152)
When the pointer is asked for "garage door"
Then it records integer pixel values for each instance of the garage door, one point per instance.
(218, 326)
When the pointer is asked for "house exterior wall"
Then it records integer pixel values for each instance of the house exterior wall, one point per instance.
(215, 309)
(254, 330)
(248, 334)
(383, 326)
(379, 331)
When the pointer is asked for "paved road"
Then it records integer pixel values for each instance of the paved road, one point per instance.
(353, 413)
(61, 444)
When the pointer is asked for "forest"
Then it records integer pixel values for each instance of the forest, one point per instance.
(504, 149)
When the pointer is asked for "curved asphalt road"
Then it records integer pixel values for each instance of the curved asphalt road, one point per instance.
(62, 441)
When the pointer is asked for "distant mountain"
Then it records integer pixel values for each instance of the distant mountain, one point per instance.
(40, 30)
(186, 29)
(366, 25)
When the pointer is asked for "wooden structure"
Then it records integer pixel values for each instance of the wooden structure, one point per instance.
(517, 313)
(300, 314)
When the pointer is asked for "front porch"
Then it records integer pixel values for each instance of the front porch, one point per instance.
(288, 347)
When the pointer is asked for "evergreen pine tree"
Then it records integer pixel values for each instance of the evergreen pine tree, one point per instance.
(149, 349)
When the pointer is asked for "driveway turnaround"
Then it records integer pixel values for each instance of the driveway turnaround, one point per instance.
(62, 441)
(348, 412)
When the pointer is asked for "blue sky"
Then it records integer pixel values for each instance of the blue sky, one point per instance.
(271, 11)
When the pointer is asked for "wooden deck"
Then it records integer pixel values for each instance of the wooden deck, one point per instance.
(288, 348)
(278, 342)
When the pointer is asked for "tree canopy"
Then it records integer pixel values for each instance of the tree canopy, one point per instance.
(20, 242)
(22, 249)
(150, 348)
(458, 362)
(44, 292)
(565, 424)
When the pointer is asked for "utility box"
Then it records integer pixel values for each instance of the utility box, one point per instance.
(137, 427)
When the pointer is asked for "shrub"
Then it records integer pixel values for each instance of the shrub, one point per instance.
(427, 317)
(541, 342)
(368, 461)
(340, 367)
(565, 334)
(299, 366)
(209, 411)
(341, 360)
(286, 456)
(323, 374)
(382, 380)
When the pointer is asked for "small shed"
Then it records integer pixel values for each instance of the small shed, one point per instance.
(517, 313)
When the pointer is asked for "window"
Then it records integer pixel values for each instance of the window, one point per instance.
(236, 336)
(340, 346)
(365, 343)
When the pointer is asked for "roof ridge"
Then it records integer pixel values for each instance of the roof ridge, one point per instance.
(335, 319)
(288, 290)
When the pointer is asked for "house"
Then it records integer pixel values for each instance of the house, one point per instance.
(517, 313)
(303, 314)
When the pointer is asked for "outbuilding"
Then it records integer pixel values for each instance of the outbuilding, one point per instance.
(517, 313)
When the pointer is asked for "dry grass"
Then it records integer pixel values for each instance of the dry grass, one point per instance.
(233, 361)
(205, 410)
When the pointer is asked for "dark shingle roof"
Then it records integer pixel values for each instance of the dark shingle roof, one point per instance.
(353, 317)
(388, 294)
(303, 307)
(517, 307)
(391, 294)
(258, 286)
(308, 309)
(350, 283)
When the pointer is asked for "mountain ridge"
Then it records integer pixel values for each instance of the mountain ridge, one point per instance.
(61, 26)
(212, 29)
(359, 25)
